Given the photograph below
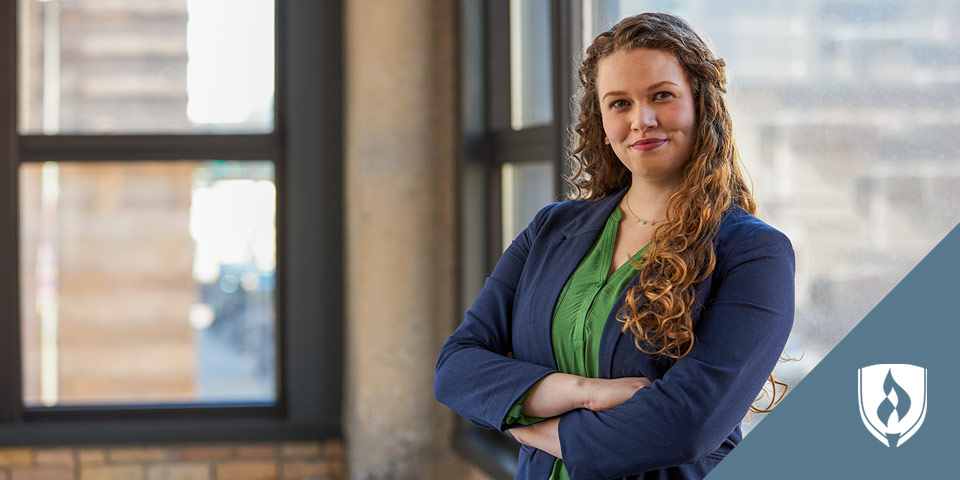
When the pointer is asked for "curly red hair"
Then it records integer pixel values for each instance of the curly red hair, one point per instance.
(658, 309)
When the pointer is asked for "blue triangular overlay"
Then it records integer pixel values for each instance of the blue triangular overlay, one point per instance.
(817, 432)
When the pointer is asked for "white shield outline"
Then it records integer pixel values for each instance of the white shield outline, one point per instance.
(878, 431)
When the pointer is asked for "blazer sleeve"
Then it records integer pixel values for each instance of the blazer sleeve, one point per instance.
(473, 376)
(705, 394)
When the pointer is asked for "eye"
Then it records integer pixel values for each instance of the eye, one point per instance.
(617, 104)
(662, 95)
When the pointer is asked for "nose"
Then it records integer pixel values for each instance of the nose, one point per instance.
(645, 117)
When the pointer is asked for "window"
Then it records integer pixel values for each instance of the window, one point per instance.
(516, 80)
(843, 114)
(164, 248)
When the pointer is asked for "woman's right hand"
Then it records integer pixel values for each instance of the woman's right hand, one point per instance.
(606, 393)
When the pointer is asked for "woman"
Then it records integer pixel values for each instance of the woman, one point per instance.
(627, 332)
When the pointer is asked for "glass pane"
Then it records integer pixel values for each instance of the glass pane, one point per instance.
(147, 282)
(600, 15)
(527, 187)
(114, 67)
(531, 67)
(846, 116)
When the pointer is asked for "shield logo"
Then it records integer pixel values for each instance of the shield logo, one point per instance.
(893, 401)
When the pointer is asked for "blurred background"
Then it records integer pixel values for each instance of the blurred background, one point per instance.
(237, 232)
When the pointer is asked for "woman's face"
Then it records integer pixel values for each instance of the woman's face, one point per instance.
(648, 112)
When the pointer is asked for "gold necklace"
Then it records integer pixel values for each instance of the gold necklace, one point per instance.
(640, 220)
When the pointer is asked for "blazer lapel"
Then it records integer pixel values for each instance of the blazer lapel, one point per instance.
(612, 331)
(566, 252)
(613, 328)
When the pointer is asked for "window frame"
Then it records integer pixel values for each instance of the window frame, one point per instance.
(487, 141)
(309, 307)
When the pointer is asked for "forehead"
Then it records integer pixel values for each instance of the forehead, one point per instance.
(638, 68)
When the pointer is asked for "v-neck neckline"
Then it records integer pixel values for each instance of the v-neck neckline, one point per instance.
(610, 245)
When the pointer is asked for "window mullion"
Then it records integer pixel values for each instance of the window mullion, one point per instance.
(521, 146)
(562, 48)
(36, 148)
(9, 288)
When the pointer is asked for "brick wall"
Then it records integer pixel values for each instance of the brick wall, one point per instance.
(235, 461)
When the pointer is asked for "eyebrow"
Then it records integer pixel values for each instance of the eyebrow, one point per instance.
(651, 87)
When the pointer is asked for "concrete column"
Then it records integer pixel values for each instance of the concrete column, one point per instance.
(400, 177)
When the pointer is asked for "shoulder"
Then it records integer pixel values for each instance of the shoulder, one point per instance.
(560, 215)
(743, 236)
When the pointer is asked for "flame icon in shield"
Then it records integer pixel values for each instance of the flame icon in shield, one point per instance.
(893, 401)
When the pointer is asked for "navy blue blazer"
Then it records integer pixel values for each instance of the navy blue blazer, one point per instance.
(688, 419)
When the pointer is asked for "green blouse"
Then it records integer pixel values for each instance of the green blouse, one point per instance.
(580, 315)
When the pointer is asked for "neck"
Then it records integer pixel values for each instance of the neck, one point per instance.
(649, 199)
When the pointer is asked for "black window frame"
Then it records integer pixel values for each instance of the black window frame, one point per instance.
(306, 148)
(487, 142)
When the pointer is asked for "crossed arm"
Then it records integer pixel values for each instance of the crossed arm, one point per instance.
(559, 393)
(696, 404)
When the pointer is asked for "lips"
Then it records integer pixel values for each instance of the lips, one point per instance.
(647, 144)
